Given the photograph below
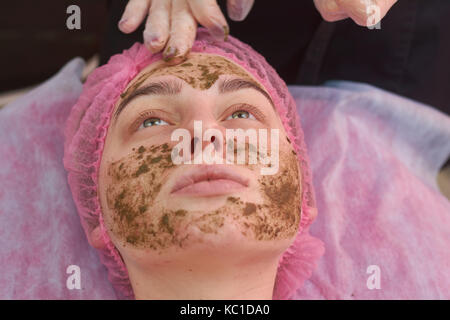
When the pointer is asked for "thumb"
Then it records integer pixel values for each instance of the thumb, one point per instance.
(362, 12)
(367, 12)
(330, 10)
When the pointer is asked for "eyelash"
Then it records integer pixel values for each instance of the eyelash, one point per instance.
(246, 107)
(238, 107)
(146, 115)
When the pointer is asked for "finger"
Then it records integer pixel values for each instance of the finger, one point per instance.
(330, 10)
(365, 12)
(134, 14)
(357, 10)
(182, 33)
(209, 15)
(239, 9)
(156, 31)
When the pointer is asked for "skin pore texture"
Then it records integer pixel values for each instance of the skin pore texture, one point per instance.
(184, 246)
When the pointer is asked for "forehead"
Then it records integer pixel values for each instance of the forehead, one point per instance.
(200, 71)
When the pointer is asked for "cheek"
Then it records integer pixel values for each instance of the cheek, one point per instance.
(282, 192)
(155, 135)
(131, 186)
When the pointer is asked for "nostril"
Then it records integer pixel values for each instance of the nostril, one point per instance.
(217, 143)
(193, 144)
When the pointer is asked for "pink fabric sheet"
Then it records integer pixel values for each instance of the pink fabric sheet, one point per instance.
(374, 160)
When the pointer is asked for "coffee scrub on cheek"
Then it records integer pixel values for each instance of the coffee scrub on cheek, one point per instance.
(137, 216)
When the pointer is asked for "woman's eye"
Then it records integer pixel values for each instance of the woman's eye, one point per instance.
(150, 122)
(241, 114)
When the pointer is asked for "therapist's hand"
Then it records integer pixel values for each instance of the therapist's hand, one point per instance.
(360, 11)
(172, 24)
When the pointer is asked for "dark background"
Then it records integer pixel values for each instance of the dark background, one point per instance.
(409, 56)
(35, 42)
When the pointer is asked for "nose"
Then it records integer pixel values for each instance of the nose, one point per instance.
(195, 143)
(205, 129)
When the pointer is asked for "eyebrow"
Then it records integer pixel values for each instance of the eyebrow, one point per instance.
(168, 87)
(171, 87)
(228, 85)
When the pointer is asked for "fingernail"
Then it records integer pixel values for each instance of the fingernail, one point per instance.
(226, 31)
(239, 10)
(170, 53)
(122, 22)
(177, 57)
(219, 31)
(152, 39)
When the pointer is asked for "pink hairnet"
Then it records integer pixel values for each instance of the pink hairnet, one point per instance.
(86, 130)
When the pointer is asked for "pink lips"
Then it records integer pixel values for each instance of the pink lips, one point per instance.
(209, 180)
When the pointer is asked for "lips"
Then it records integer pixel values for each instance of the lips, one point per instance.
(209, 180)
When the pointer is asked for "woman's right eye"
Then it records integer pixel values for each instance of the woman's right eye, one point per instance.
(150, 122)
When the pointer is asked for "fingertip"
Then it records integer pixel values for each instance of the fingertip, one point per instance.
(153, 42)
(153, 49)
(121, 24)
(126, 26)
(219, 31)
(134, 14)
(226, 32)
(173, 55)
(238, 10)
(211, 17)
(175, 60)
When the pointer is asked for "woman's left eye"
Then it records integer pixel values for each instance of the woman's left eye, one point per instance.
(150, 122)
(241, 114)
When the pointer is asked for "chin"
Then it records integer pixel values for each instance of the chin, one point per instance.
(207, 246)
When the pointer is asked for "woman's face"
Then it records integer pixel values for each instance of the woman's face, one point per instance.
(152, 206)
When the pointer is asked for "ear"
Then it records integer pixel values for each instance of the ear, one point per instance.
(96, 239)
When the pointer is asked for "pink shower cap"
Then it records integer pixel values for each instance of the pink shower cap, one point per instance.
(86, 131)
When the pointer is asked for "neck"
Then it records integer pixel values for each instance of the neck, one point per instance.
(216, 279)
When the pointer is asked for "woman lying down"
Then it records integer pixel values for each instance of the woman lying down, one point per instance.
(192, 181)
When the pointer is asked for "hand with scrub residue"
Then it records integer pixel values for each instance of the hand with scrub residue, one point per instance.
(172, 24)
(362, 12)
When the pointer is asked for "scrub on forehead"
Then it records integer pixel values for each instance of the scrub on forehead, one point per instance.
(200, 71)
(137, 215)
